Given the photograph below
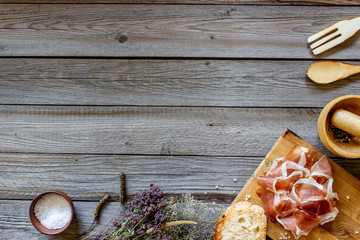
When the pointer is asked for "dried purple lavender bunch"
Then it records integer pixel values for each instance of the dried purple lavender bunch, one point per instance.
(149, 216)
(144, 212)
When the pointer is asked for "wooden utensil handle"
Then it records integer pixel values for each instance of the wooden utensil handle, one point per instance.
(357, 21)
(346, 121)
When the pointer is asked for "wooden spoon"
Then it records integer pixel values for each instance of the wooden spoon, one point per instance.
(331, 71)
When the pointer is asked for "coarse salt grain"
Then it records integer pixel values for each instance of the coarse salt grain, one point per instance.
(53, 211)
(348, 197)
(357, 232)
(235, 179)
(283, 235)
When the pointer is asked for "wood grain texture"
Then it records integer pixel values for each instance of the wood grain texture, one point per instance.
(346, 222)
(190, 124)
(241, 83)
(269, 2)
(15, 223)
(150, 130)
(89, 177)
(169, 30)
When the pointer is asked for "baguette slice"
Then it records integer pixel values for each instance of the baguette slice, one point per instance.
(241, 221)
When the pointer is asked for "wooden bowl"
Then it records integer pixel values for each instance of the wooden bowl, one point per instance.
(346, 150)
(36, 221)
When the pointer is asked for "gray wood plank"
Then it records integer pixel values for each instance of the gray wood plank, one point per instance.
(89, 177)
(151, 130)
(15, 223)
(240, 83)
(169, 30)
(270, 2)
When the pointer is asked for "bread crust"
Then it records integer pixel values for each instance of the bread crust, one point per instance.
(235, 209)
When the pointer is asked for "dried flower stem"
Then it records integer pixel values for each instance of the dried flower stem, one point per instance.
(170, 224)
(122, 196)
(168, 203)
(187, 237)
(137, 224)
(99, 205)
(96, 214)
(161, 205)
(104, 225)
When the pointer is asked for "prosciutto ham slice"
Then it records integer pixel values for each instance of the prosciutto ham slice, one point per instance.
(307, 189)
(284, 205)
(298, 192)
(268, 197)
(299, 223)
(321, 170)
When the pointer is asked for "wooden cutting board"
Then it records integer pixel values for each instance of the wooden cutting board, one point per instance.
(347, 221)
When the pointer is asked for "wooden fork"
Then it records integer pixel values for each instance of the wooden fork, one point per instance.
(334, 35)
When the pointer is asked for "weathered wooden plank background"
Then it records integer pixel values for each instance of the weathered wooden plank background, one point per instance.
(187, 95)
(150, 130)
(159, 82)
(100, 174)
(206, 31)
(228, 2)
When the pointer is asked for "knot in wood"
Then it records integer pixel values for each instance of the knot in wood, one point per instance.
(121, 38)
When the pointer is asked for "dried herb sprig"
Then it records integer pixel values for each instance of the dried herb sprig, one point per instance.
(122, 198)
(197, 231)
(145, 211)
(165, 225)
(168, 203)
(99, 205)
(151, 216)
(159, 206)
(190, 209)
(96, 213)
(171, 224)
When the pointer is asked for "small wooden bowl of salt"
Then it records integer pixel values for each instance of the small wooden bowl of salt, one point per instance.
(51, 212)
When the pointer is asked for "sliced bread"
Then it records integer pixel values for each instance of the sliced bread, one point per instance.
(241, 221)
